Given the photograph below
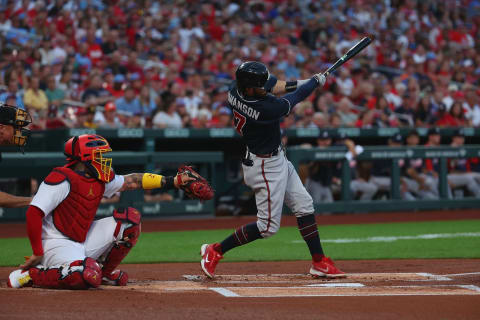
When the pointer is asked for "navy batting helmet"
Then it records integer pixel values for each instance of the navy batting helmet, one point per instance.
(253, 74)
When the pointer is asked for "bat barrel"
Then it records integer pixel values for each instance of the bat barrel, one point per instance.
(353, 51)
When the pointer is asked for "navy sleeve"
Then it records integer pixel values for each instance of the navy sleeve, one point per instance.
(275, 108)
(302, 92)
(271, 82)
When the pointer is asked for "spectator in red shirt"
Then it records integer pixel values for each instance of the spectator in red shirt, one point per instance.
(454, 118)
(54, 121)
(95, 52)
(444, 118)
(458, 114)
(216, 30)
(117, 89)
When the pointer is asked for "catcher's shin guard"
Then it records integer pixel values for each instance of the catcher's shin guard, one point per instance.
(130, 219)
(80, 274)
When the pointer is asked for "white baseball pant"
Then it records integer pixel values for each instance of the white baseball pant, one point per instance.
(274, 180)
(99, 241)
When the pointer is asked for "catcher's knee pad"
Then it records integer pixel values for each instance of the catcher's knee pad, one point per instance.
(127, 231)
(92, 272)
(80, 274)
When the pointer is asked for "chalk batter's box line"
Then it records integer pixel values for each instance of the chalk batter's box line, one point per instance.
(286, 278)
(435, 290)
(461, 274)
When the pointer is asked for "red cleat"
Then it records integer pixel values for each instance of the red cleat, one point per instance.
(210, 258)
(326, 268)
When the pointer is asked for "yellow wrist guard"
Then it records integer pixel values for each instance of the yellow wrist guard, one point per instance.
(151, 181)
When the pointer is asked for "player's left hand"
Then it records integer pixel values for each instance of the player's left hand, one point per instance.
(31, 262)
(194, 185)
(321, 79)
(182, 179)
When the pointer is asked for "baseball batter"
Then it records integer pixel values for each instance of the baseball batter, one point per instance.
(257, 115)
(70, 249)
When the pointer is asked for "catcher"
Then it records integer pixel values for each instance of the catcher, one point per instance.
(70, 249)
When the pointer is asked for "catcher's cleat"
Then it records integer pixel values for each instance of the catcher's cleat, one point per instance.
(326, 268)
(116, 278)
(210, 258)
(19, 278)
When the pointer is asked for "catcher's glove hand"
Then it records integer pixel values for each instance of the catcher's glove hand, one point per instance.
(196, 187)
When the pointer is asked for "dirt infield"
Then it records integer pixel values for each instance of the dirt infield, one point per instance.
(403, 289)
(385, 289)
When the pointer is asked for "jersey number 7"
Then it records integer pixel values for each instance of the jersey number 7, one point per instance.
(239, 122)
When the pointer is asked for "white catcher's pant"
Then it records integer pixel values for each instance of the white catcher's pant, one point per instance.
(274, 180)
(99, 241)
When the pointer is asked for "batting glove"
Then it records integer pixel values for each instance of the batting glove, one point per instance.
(320, 78)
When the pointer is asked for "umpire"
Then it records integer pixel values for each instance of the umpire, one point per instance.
(13, 131)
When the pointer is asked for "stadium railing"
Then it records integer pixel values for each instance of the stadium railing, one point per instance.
(212, 165)
(298, 155)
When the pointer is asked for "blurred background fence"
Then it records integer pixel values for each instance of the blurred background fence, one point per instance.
(216, 153)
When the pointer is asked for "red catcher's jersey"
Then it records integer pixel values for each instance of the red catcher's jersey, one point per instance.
(74, 215)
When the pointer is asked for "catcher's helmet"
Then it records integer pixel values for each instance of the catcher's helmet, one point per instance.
(89, 149)
(253, 74)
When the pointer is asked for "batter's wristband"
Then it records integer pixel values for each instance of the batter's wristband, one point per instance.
(151, 181)
(291, 86)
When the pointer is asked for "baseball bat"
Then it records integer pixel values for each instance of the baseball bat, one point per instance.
(362, 44)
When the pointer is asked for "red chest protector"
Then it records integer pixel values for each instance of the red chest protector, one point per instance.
(74, 215)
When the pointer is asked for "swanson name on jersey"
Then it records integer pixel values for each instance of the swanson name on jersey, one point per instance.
(249, 111)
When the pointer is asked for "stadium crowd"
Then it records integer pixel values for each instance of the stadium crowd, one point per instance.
(161, 64)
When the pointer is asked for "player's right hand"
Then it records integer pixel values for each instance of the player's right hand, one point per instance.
(321, 79)
(31, 262)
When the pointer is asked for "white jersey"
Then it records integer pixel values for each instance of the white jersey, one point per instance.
(49, 197)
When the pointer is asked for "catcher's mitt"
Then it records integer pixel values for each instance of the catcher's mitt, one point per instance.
(199, 188)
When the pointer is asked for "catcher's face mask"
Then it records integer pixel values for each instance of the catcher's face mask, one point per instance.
(103, 166)
(20, 137)
(18, 119)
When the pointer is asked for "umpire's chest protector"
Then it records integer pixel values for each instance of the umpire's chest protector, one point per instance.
(74, 215)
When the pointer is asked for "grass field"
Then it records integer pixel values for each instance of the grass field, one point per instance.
(443, 239)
